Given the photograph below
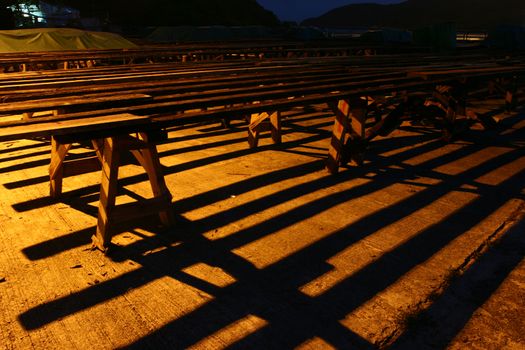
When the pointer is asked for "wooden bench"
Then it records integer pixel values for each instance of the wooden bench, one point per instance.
(452, 97)
(111, 135)
(218, 93)
(110, 129)
(181, 53)
(64, 105)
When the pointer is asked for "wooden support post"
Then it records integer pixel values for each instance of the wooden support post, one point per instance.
(348, 134)
(225, 123)
(108, 153)
(56, 166)
(58, 111)
(260, 122)
(149, 159)
(390, 122)
(452, 101)
(354, 147)
(509, 99)
(510, 95)
(358, 120)
(449, 124)
(144, 150)
(507, 87)
(339, 132)
(98, 146)
(27, 115)
(108, 192)
(253, 133)
(275, 122)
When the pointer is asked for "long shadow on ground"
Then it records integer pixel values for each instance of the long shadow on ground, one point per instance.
(272, 293)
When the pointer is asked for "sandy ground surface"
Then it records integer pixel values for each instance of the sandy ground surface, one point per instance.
(422, 247)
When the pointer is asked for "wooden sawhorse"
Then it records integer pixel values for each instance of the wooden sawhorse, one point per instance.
(109, 149)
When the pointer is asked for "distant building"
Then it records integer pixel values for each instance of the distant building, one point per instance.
(44, 14)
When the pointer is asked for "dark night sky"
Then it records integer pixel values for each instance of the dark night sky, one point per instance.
(298, 10)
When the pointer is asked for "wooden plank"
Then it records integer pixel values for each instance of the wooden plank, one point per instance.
(136, 210)
(70, 102)
(155, 75)
(149, 159)
(465, 72)
(276, 98)
(64, 127)
(177, 89)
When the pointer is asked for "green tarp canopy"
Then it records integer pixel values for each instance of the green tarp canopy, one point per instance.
(59, 39)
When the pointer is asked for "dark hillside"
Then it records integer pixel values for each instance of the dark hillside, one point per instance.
(467, 14)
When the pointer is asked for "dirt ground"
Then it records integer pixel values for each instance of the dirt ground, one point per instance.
(420, 248)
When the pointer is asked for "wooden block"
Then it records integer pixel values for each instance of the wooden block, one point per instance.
(72, 127)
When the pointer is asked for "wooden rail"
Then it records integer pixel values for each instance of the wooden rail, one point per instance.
(13, 62)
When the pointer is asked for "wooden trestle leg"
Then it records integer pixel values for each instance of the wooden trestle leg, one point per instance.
(144, 150)
(453, 101)
(348, 130)
(511, 101)
(56, 168)
(275, 127)
(149, 160)
(259, 123)
(108, 152)
(339, 132)
(108, 192)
